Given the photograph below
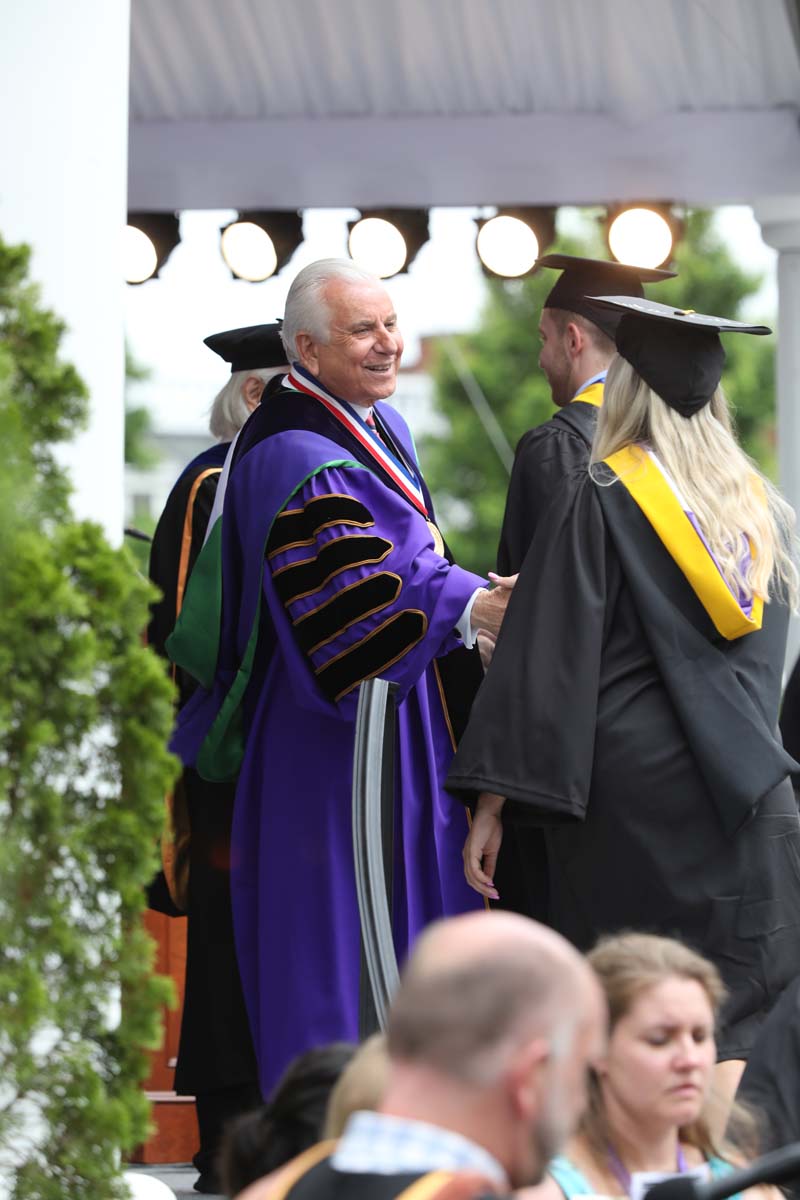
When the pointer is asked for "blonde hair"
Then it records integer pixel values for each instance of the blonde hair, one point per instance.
(361, 1085)
(627, 965)
(721, 485)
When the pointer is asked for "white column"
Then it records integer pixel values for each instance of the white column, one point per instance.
(63, 146)
(779, 218)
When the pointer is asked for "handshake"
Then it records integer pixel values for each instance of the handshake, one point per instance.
(488, 612)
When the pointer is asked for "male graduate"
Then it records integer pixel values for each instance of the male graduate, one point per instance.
(216, 1063)
(332, 572)
(577, 346)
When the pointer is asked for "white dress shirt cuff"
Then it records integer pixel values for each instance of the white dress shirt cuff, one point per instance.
(464, 622)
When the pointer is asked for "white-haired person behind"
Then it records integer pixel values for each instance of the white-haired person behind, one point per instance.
(631, 707)
(216, 1063)
(256, 355)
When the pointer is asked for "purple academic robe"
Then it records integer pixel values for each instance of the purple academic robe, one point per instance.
(353, 588)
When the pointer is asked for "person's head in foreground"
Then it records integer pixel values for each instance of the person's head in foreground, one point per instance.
(651, 1105)
(491, 1034)
(577, 341)
(340, 325)
(663, 394)
(360, 1086)
(260, 1141)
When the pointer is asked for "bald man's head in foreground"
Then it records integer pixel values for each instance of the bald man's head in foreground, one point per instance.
(491, 1034)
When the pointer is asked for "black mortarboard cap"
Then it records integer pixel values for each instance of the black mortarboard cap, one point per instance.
(676, 351)
(249, 348)
(582, 277)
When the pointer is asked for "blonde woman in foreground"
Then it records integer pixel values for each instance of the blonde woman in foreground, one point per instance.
(651, 1101)
(631, 706)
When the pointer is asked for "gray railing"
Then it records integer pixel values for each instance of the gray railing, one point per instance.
(373, 838)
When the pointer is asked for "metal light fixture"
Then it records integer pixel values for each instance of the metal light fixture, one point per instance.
(259, 244)
(642, 235)
(149, 239)
(386, 241)
(509, 243)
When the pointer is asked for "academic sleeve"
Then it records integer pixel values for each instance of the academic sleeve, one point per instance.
(531, 734)
(544, 457)
(176, 543)
(352, 567)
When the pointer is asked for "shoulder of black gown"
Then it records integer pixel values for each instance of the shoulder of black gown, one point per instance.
(530, 736)
(544, 456)
(178, 539)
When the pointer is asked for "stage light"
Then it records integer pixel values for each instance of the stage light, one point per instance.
(509, 243)
(641, 235)
(148, 241)
(386, 241)
(259, 244)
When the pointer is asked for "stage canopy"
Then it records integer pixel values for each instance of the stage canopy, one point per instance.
(321, 103)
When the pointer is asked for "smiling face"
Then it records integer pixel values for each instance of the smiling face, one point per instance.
(661, 1056)
(360, 359)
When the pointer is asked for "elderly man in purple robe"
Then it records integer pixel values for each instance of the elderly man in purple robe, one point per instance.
(332, 572)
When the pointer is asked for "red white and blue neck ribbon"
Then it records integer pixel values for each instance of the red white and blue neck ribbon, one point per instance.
(303, 381)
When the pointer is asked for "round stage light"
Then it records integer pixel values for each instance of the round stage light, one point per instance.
(640, 237)
(507, 246)
(378, 246)
(249, 251)
(139, 255)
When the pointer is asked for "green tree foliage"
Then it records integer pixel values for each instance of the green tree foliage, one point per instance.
(139, 448)
(85, 712)
(462, 469)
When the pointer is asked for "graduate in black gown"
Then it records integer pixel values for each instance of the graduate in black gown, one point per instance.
(577, 345)
(216, 1061)
(631, 706)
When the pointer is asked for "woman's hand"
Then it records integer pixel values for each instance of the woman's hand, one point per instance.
(483, 844)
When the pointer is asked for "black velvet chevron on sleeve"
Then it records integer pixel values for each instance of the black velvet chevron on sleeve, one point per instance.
(299, 579)
(299, 526)
(353, 603)
(375, 653)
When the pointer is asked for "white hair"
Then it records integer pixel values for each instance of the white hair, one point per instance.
(306, 309)
(229, 410)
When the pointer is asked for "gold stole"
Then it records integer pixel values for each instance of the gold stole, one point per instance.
(593, 395)
(644, 481)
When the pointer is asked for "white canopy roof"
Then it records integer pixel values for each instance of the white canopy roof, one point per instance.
(319, 103)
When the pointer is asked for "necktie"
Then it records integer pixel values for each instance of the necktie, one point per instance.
(370, 420)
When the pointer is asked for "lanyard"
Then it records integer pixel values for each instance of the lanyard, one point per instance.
(623, 1175)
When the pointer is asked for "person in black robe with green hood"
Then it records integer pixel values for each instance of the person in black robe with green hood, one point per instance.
(631, 706)
(216, 1061)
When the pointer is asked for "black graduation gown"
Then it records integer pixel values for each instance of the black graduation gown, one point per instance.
(646, 744)
(320, 1181)
(790, 719)
(770, 1085)
(543, 458)
(215, 1049)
